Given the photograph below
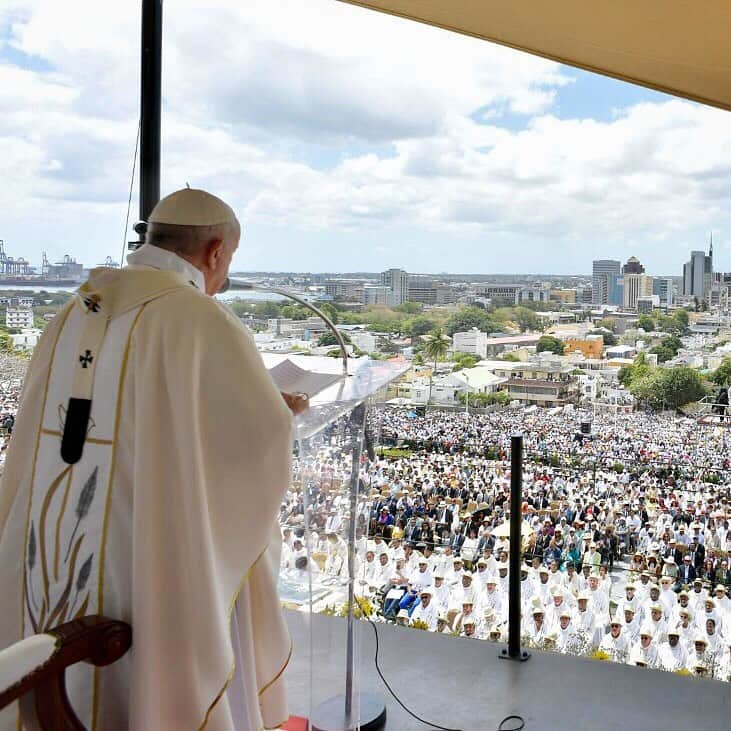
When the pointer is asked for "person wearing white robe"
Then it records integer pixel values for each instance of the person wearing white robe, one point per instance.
(537, 629)
(368, 576)
(494, 599)
(615, 643)
(335, 565)
(426, 611)
(422, 577)
(160, 510)
(567, 640)
(657, 622)
(440, 592)
(643, 650)
(586, 623)
(631, 626)
(672, 655)
(598, 599)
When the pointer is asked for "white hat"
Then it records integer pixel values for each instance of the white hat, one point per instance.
(403, 614)
(192, 207)
(426, 590)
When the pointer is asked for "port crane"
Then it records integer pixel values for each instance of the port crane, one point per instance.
(9, 265)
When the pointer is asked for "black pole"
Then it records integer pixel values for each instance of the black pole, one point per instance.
(150, 106)
(516, 518)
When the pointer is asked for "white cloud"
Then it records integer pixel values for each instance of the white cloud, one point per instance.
(318, 117)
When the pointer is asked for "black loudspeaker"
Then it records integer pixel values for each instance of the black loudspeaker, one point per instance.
(586, 427)
(420, 410)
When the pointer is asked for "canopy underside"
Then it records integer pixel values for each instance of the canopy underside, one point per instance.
(675, 46)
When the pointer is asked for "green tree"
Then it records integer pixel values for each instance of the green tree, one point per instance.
(510, 357)
(435, 348)
(722, 375)
(295, 312)
(468, 317)
(480, 400)
(646, 323)
(549, 343)
(526, 319)
(331, 312)
(464, 360)
(409, 308)
(638, 369)
(419, 325)
(609, 323)
(609, 337)
(667, 349)
(328, 338)
(668, 387)
(668, 323)
(681, 386)
(682, 318)
(6, 344)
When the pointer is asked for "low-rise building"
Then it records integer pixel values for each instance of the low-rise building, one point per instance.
(19, 318)
(26, 339)
(509, 343)
(365, 341)
(590, 347)
(289, 328)
(473, 342)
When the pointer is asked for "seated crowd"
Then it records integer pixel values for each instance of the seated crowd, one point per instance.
(432, 545)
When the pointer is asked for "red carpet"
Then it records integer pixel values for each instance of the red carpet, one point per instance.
(296, 723)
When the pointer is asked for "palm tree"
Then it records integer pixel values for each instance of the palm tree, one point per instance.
(435, 347)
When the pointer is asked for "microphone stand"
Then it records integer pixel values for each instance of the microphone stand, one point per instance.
(339, 713)
(238, 284)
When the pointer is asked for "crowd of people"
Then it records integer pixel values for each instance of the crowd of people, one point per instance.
(625, 536)
(12, 371)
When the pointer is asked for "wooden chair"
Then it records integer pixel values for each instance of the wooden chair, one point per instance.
(39, 664)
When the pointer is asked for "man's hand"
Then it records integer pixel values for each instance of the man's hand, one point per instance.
(297, 402)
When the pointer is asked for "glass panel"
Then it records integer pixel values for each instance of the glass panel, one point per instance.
(331, 564)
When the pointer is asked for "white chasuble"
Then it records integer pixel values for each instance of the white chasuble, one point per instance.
(149, 459)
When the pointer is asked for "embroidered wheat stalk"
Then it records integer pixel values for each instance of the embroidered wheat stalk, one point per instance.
(82, 507)
(82, 579)
(32, 546)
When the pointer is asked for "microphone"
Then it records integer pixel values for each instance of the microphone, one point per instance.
(242, 285)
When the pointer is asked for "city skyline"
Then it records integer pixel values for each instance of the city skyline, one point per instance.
(433, 152)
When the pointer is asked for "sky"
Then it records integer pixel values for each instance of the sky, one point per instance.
(348, 140)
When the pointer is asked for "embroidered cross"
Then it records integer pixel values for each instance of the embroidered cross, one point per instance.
(86, 359)
(92, 303)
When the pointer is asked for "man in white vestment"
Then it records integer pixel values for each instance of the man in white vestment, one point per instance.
(426, 611)
(147, 468)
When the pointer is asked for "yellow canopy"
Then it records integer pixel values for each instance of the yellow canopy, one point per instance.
(681, 47)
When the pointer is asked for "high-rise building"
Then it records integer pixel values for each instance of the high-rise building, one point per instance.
(664, 289)
(633, 266)
(397, 281)
(376, 294)
(635, 286)
(605, 273)
(698, 273)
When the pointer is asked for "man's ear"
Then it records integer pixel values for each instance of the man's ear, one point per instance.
(214, 253)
